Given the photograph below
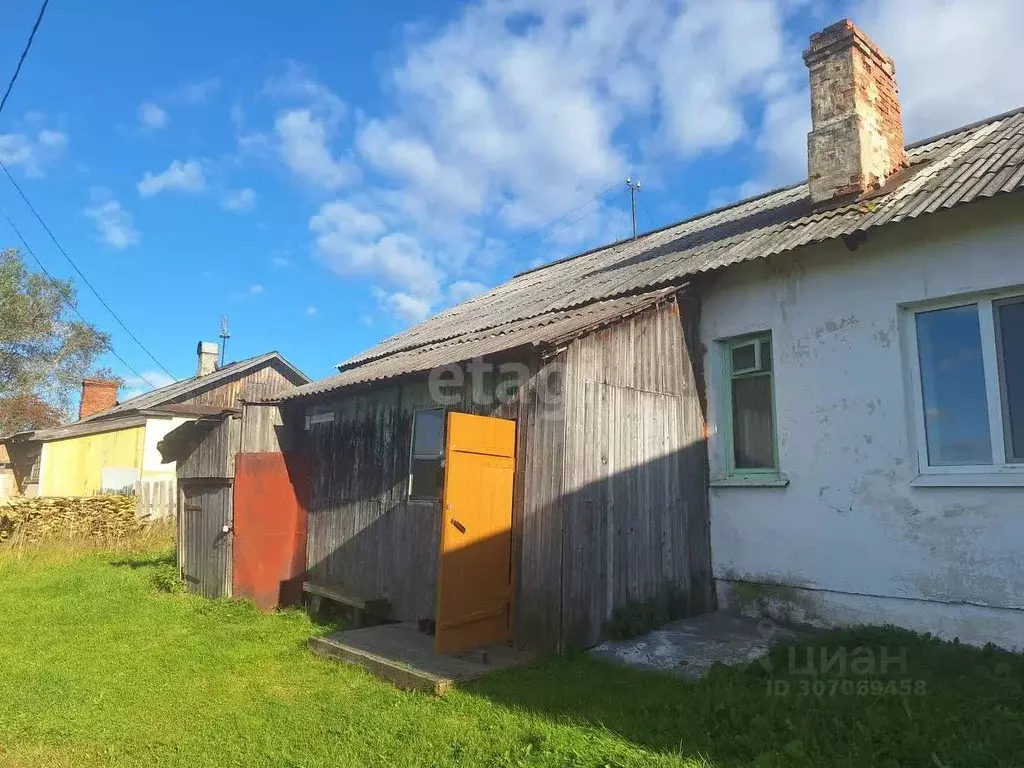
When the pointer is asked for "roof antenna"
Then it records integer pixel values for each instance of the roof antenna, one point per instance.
(224, 336)
(634, 187)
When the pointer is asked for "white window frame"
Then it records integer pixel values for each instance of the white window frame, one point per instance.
(428, 457)
(1000, 471)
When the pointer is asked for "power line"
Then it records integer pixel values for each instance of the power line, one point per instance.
(24, 53)
(540, 230)
(67, 299)
(81, 274)
(647, 216)
(21, 192)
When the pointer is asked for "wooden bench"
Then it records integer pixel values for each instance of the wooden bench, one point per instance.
(376, 606)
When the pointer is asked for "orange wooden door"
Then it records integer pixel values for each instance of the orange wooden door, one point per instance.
(474, 578)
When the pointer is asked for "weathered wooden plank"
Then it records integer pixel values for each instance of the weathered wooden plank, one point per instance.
(213, 457)
(632, 403)
(539, 600)
(251, 385)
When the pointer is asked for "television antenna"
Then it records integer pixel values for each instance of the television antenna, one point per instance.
(224, 336)
(634, 187)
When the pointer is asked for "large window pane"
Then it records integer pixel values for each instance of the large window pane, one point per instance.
(1010, 319)
(753, 436)
(428, 431)
(953, 387)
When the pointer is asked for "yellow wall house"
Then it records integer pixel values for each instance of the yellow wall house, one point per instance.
(108, 460)
(112, 448)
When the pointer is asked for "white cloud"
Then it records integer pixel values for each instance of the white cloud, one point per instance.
(714, 56)
(255, 289)
(938, 91)
(407, 308)
(461, 290)
(299, 85)
(518, 110)
(197, 92)
(281, 262)
(239, 200)
(303, 144)
(152, 115)
(305, 125)
(352, 241)
(341, 219)
(114, 225)
(408, 156)
(515, 112)
(183, 176)
(954, 58)
(34, 153)
(311, 311)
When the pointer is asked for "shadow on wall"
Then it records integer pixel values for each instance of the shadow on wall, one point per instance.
(634, 535)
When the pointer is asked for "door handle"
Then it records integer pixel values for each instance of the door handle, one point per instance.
(461, 528)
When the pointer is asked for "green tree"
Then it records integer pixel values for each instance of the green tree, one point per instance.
(45, 350)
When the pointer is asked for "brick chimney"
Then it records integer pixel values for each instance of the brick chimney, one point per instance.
(206, 351)
(97, 395)
(857, 138)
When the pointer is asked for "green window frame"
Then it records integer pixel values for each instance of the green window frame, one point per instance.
(749, 376)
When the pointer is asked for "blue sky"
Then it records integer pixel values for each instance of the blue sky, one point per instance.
(326, 174)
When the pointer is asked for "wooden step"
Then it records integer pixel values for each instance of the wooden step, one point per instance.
(405, 657)
(395, 671)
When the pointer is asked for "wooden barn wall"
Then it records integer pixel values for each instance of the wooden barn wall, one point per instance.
(25, 460)
(365, 536)
(610, 501)
(634, 491)
(214, 456)
(269, 379)
(537, 511)
(264, 430)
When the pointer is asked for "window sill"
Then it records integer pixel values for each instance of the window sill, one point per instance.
(970, 480)
(751, 481)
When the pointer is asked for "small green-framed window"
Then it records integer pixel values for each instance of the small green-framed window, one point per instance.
(750, 405)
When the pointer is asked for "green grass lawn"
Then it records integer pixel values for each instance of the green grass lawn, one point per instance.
(100, 669)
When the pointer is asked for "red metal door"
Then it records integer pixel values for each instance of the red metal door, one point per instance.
(271, 493)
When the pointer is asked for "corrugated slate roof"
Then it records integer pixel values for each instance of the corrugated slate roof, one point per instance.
(978, 161)
(83, 427)
(544, 329)
(185, 387)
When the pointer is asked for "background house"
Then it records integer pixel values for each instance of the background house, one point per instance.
(8, 483)
(113, 445)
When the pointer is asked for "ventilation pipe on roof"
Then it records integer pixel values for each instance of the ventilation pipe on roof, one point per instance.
(207, 354)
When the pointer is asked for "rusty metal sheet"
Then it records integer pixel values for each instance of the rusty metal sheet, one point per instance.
(271, 499)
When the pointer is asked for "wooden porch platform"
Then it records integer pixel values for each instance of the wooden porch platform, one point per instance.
(405, 657)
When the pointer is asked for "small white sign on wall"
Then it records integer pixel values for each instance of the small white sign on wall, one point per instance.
(118, 479)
